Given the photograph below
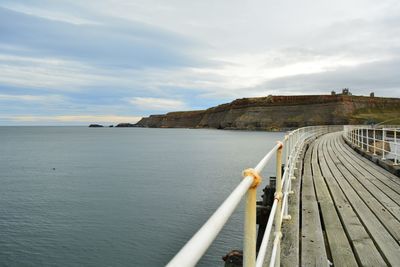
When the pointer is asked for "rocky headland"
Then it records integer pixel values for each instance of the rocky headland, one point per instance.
(282, 112)
(125, 124)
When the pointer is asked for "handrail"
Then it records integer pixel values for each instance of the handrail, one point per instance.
(383, 141)
(294, 142)
(194, 249)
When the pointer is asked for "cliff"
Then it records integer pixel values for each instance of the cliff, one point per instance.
(277, 112)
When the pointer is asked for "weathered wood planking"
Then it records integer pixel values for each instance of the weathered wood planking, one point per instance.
(340, 249)
(364, 249)
(384, 183)
(389, 221)
(385, 195)
(313, 251)
(354, 202)
(384, 241)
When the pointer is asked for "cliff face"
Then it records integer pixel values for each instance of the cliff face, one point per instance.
(184, 119)
(277, 112)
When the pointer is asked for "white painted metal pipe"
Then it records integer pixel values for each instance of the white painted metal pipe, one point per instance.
(194, 249)
(395, 147)
(264, 244)
(279, 184)
(275, 250)
(362, 139)
(260, 166)
(383, 142)
(374, 142)
(250, 229)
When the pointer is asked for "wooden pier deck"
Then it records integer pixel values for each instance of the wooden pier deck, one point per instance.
(348, 210)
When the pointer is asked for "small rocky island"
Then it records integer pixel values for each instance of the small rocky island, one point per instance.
(94, 125)
(126, 125)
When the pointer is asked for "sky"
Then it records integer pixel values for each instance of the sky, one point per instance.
(65, 62)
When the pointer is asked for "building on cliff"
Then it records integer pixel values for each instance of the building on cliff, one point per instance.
(345, 91)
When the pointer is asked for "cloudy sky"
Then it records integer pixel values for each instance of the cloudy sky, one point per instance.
(107, 61)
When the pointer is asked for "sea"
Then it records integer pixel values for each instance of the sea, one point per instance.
(80, 196)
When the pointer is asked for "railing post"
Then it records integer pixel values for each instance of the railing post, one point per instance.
(279, 196)
(357, 139)
(287, 152)
(354, 136)
(249, 247)
(383, 143)
(351, 136)
(374, 141)
(395, 147)
(250, 220)
(362, 139)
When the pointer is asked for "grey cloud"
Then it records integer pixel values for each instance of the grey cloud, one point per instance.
(112, 43)
(381, 77)
(203, 52)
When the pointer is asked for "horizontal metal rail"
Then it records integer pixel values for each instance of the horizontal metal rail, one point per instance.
(383, 141)
(291, 145)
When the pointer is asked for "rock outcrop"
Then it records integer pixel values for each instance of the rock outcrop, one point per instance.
(126, 125)
(279, 112)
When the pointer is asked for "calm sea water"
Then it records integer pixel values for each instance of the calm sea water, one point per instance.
(78, 196)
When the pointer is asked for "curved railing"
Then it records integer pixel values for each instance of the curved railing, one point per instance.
(382, 141)
(290, 146)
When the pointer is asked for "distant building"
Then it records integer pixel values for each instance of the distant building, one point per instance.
(346, 91)
(372, 94)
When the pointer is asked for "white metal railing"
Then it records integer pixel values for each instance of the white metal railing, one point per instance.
(382, 141)
(291, 145)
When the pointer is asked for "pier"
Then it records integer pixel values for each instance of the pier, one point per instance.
(349, 213)
(333, 205)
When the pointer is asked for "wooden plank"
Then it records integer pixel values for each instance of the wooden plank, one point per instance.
(370, 183)
(393, 178)
(313, 251)
(385, 242)
(364, 249)
(367, 182)
(389, 221)
(381, 182)
(387, 183)
(342, 254)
